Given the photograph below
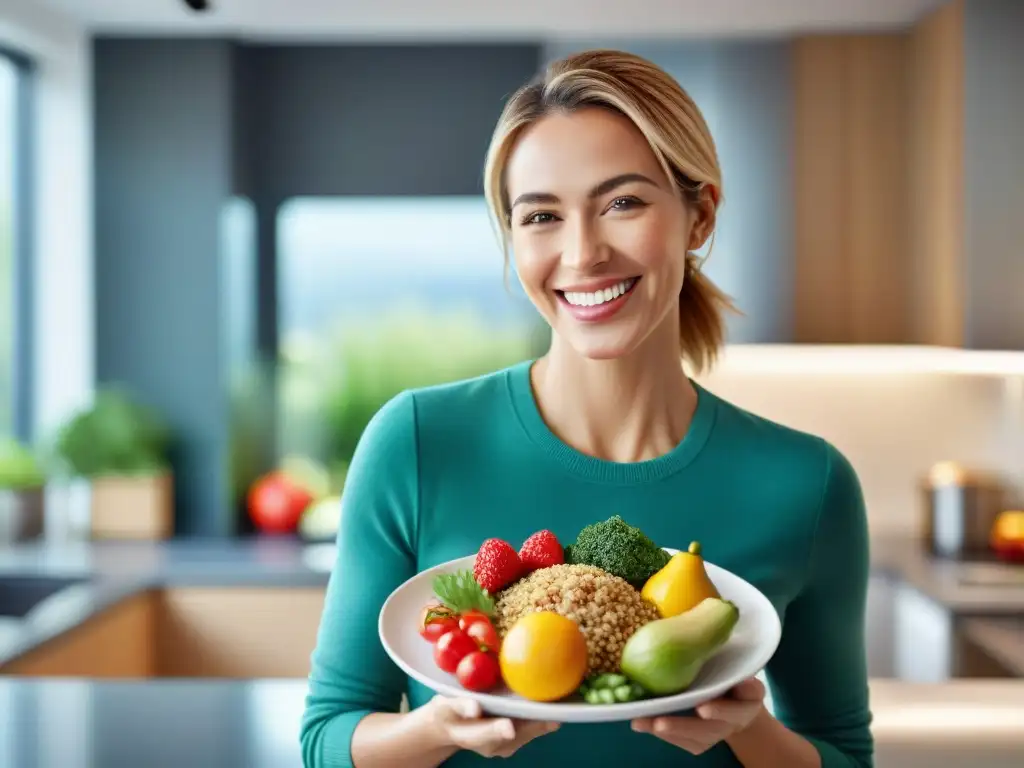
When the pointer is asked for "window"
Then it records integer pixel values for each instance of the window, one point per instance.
(14, 286)
(381, 294)
(8, 272)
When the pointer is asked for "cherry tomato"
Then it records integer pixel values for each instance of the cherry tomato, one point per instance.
(479, 671)
(485, 635)
(435, 620)
(471, 617)
(451, 648)
(434, 629)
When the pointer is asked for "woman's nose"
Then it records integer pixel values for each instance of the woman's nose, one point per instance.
(583, 249)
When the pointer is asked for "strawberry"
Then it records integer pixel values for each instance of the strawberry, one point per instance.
(497, 565)
(541, 550)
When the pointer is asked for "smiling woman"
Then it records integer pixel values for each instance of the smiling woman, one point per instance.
(605, 180)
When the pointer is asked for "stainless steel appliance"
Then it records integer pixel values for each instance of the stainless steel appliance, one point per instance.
(959, 507)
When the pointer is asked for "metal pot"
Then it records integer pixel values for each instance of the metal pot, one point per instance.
(960, 507)
(21, 515)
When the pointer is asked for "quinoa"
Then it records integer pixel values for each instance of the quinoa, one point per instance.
(607, 608)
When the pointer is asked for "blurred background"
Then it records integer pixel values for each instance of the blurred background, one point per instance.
(230, 232)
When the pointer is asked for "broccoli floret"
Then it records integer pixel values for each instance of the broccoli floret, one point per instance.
(619, 548)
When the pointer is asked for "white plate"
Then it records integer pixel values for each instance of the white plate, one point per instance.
(748, 650)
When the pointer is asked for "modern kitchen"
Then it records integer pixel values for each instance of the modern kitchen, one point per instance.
(231, 231)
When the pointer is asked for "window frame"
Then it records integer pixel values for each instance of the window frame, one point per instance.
(22, 218)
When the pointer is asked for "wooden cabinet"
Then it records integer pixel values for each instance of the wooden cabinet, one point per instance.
(907, 161)
(237, 632)
(850, 189)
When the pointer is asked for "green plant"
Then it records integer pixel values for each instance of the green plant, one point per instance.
(115, 436)
(19, 467)
(334, 384)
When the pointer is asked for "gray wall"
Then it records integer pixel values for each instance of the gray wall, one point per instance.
(163, 129)
(185, 129)
(994, 172)
(744, 90)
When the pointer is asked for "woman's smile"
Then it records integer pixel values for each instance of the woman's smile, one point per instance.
(598, 302)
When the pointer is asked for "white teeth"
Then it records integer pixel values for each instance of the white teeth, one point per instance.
(599, 297)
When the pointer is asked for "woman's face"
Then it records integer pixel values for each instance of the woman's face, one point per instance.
(599, 236)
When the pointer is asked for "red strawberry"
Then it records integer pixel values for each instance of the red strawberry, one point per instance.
(497, 565)
(541, 550)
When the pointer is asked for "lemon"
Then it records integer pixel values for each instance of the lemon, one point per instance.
(543, 656)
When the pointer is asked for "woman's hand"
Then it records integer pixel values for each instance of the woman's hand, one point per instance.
(461, 725)
(716, 720)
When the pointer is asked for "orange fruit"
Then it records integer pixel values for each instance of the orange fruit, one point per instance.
(543, 656)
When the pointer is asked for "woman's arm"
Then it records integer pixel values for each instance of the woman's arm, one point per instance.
(818, 676)
(351, 675)
(767, 743)
(355, 690)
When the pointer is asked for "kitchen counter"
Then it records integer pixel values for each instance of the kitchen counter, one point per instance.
(113, 571)
(1000, 638)
(965, 588)
(254, 724)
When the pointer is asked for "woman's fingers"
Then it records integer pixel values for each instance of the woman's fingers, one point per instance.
(491, 737)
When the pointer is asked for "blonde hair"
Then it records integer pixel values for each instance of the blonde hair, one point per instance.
(678, 135)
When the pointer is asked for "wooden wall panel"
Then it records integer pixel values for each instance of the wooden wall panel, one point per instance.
(850, 196)
(820, 194)
(936, 177)
(877, 159)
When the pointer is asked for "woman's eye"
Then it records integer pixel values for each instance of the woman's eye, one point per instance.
(538, 218)
(625, 203)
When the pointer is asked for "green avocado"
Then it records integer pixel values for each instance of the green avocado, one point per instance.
(666, 655)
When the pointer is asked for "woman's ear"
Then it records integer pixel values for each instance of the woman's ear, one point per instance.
(704, 217)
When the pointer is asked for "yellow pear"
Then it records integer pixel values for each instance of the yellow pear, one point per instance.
(681, 585)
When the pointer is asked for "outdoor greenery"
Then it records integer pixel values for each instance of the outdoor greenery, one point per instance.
(332, 385)
(114, 436)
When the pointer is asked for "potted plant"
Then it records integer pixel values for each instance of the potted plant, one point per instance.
(21, 493)
(121, 447)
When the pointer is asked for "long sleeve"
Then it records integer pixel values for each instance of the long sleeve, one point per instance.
(351, 674)
(818, 676)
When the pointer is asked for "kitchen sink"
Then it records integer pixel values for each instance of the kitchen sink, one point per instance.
(20, 594)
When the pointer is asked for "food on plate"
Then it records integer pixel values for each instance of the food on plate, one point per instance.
(451, 647)
(484, 633)
(609, 688)
(608, 619)
(544, 656)
(496, 565)
(665, 656)
(479, 671)
(462, 593)
(541, 550)
(435, 620)
(682, 584)
(619, 548)
(607, 609)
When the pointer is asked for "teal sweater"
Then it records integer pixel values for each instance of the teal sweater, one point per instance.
(440, 469)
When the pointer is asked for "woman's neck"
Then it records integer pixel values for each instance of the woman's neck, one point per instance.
(628, 409)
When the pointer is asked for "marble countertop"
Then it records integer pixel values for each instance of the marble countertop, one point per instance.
(255, 724)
